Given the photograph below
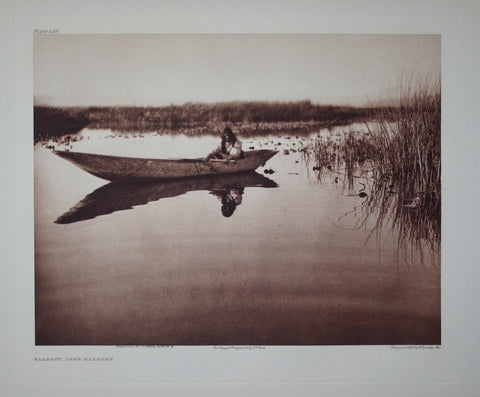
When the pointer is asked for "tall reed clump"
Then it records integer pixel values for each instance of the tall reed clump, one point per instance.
(400, 153)
(407, 138)
(406, 141)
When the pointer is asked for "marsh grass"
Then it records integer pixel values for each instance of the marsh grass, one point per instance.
(406, 138)
(194, 119)
(398, 161)
(407, 142)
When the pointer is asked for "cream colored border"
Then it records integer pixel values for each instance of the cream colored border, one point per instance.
(297, 371)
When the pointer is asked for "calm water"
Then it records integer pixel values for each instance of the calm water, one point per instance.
(298, 260)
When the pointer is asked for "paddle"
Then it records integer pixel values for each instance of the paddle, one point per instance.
(223, 160)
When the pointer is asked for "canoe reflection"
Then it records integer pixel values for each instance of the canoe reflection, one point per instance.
(117, 197)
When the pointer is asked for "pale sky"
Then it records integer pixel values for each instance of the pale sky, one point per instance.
(162, 69)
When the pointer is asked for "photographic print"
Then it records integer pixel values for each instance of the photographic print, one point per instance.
(237, 189)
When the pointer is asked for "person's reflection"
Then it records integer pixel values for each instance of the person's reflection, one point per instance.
(230, 200)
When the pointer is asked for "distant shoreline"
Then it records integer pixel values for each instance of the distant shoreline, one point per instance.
(247, 118)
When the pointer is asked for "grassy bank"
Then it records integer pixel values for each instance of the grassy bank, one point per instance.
(247, 118)
(53, 122)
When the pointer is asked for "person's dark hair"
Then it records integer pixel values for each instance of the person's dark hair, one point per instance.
(228, 136)
(228, 131)
(228, 209)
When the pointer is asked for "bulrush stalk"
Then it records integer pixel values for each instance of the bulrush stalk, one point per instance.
(401, 149)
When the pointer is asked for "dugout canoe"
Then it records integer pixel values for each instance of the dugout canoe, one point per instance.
(130, 169)
(114, 197)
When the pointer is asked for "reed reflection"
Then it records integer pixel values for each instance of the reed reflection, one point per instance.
(392, 201)
(115, 197)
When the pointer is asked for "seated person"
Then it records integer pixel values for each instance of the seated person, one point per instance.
(230, 148)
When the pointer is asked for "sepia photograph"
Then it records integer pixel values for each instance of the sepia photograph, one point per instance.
(237, 189)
